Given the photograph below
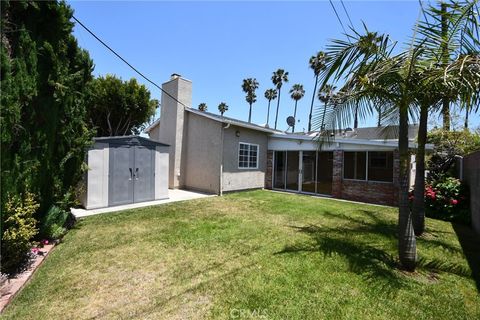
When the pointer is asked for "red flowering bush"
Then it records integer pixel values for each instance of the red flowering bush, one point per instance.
(447, 199)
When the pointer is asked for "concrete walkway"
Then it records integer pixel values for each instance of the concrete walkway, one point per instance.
(174, 195)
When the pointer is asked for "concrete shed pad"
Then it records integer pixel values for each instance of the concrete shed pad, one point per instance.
(174, 195)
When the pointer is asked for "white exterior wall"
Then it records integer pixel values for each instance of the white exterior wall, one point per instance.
(161, 173)
(97, 176)
(283, 144)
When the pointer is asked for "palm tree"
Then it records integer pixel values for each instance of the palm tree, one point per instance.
(446, 79)
(371, 74)
(249, 86)
(222, 107)
(270, 94)
(202, 106)
(296, 93)
(317, 64)
(325, 94)
(278, 78)
(374, 75)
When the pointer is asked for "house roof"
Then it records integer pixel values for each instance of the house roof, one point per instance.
(373, 136)
(152, 125)
(232, 121)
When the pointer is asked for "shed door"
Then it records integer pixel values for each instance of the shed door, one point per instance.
(132, 170)
(144, 183)
(121, 175)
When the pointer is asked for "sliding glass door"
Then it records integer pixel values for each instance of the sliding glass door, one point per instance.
(324, 172)
(292, 170)
(309, 169)
(279, 170)
(316, 171)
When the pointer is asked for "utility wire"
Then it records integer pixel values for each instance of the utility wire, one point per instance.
(338, 17)
(126, 62)
(346, 12)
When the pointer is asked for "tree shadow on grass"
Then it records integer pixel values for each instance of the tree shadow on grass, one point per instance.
(366, 243)
(376, 266)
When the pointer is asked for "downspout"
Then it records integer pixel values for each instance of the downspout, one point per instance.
(221, 161)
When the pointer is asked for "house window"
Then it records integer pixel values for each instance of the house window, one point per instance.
(355, 165)
(380, 166)
(248, 156)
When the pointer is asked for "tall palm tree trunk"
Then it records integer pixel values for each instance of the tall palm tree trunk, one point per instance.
(407, 246)
(323, 116)
(294, 115)
(418, 211)
(445, 58)
(379, 117)
(467, 109)
(250, 113)
(311, 105)
(355, 120)
(278, 105)
(268, 111)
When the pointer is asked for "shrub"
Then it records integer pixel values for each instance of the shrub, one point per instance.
(18, 229)
(53, 223)
(447, 199)
(448, 145)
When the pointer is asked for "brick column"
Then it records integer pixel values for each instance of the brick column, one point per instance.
(269, 171)
(337, 173)
(396, 174)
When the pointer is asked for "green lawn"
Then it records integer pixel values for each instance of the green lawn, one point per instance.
(250, 255)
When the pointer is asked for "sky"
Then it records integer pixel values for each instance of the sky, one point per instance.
(217, 44)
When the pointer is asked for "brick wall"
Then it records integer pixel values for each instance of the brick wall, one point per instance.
(337, 173)
(471, 176)
(269, 171)
(364, 191)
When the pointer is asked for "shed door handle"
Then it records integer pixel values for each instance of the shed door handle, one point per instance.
(136, 174)
(131, 173)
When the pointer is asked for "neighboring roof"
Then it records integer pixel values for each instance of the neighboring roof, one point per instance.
(377, 133)
(152, 125)
(129, 140)
(232, 121)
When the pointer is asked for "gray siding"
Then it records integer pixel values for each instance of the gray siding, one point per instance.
(202, 153)
(239, 179)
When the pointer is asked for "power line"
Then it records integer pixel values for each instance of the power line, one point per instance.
(338, 17)
(346, 12)
(126, 62)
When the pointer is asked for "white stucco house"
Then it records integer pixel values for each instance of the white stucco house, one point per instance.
(216, 154)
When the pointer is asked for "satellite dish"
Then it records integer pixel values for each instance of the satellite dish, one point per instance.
(291, 121)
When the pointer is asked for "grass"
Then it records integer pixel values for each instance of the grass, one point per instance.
(247, 255)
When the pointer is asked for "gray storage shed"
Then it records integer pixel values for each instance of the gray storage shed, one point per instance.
(123, 170)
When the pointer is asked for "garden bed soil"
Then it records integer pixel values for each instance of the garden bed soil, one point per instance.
(12, 286)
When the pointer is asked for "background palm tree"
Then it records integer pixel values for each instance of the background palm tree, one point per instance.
(202, 106)
(222, 107)
(317, 64)
(249, 86)
(278, 78)
(296, 93)
(270, 94)
(325, 94)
